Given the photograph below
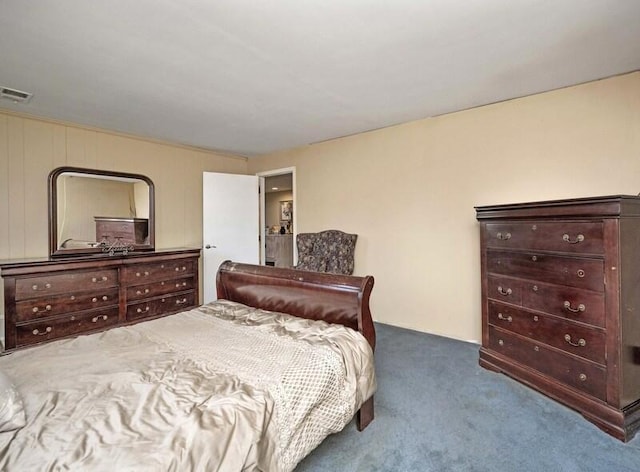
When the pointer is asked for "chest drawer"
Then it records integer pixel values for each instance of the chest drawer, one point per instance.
(571, 303)
(571, 271)
(581, 375)
(571, 337)
(140, 292)
(66, 282)
(67, 325)
(35, 308)
(569, 236)
(162, 305)
(157, 271)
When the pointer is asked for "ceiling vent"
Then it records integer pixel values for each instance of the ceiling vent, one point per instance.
(16, 96)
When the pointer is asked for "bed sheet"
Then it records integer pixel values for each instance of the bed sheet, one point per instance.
(223, 387)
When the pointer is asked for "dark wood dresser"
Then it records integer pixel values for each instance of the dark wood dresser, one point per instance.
(561, 303)
(54, 298)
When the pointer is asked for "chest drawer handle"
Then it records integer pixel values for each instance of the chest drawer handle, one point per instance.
(46, 331)
(101, 279)
(567, 306)
(567, 239)
(36, 287)
(140, 310)
(504, 292)
(139, 292)
(508, 319)
(581, 342)
(181, 302)
(138, 274)
(96, 318)
(503, 237)
(183, 284)
(35, 309)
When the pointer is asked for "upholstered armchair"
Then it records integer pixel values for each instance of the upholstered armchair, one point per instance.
(327, 251)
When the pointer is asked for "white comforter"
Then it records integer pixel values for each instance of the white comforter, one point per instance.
(222, 388)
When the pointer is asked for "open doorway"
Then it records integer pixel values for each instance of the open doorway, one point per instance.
(278, 217)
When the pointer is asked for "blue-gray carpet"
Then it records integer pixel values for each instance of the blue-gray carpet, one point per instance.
(437, 410)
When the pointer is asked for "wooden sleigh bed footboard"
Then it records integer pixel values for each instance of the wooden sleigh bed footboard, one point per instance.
(339, 299)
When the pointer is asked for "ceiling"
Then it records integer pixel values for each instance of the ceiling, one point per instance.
(253, 77)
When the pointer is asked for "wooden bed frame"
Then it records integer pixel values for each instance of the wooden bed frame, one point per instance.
(340, 299)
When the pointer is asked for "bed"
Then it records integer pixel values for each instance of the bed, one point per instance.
(254, 381)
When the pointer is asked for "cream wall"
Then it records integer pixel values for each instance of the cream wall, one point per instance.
(409, 191)
(30, 148)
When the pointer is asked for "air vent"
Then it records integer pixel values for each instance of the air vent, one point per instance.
(14, 95)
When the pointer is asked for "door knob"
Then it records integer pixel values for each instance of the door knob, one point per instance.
(209, 246)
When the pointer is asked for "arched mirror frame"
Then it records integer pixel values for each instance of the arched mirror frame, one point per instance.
(55, 250)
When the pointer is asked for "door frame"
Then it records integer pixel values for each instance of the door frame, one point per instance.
(262, 210)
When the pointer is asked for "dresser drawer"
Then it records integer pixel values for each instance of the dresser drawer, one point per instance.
(57, 327)
(35, 308)
(141, 292)
(577, 339)
(159, 306)
(562, 236)
(582, 375)
(571, 303)
(157, 271)
(65, 282)
(505, 289)
(583, 273)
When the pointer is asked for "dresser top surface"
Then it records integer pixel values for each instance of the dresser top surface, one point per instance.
(586, 207)
(100, 259)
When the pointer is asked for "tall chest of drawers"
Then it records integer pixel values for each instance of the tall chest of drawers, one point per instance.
(50, 299)
(561, 303)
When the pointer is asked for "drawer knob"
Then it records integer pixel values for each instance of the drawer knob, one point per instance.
(536, 348)
(46, 331)
(508, 318)
(105, 298)
(582, 377)
(183, 284)
(581, 342)
(140, 310)
(535, 318)
(140, 292)
(534, 258)
(567, 239)
(181, 302)
(567, 306)
(580, 273)
(502, 291)
(48, 307)
(503, 236)
(94, 299)
(99, 279)
(501, 342)
(35, 309)
(99, 317)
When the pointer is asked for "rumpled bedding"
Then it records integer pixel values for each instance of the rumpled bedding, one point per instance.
(223, 387)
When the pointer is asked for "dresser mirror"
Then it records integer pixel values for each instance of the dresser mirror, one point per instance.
(99, 212)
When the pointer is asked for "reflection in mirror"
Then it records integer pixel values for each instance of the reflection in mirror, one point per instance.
(96, 211)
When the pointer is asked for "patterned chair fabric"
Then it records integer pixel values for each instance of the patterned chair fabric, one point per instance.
(327, 251)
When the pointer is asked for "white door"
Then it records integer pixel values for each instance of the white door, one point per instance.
(230, 217)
